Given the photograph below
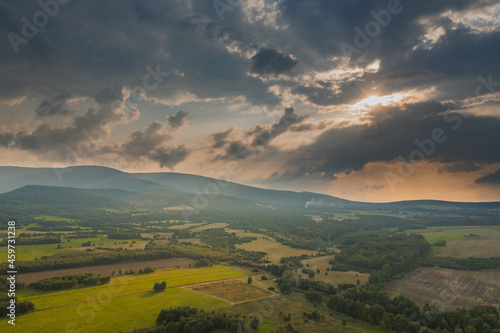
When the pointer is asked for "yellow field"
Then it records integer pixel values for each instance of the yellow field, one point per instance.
(126, 302)
(275, 250)
(233, 291)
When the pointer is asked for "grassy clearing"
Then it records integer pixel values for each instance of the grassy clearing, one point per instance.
(485, 244)
(448, 288)
(275, 250)
(126, 302)
(333, 277)
(234, 291)
(269, 311)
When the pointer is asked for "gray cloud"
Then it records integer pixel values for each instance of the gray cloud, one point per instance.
(169, 157)
(177, 120)
(220, 138)
(109, 94)
(54, 106)
(263, 134)
(151, 143)
(256, 138)
(5, 139)
(272, 61)
(492, 178)
(81, 137)
(141, 143)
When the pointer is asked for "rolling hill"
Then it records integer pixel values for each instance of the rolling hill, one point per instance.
(116, 188)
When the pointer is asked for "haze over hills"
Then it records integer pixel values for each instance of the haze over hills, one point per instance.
(172, 189)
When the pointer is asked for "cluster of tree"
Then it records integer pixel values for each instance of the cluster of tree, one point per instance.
(5, 299)
(218, 237)
(314, 297)
(401, 314)
(93, 280)
(147, 270)
(462, 263)
(68, 281)
(384, 256)
(203, 263)
(121, 234)
(160, 286)
(82, 234)
(187, 319)
(309, 272)
(301, 231)
(315, 315)
(286, 263)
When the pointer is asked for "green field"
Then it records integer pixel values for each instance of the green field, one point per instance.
(30, 252)
(275, 250)
(123, 304)
(459, 244)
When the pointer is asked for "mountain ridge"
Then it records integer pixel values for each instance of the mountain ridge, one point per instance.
(179, 187)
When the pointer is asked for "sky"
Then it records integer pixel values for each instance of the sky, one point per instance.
(365, 100)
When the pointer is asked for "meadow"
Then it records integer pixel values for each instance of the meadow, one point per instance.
(272, 310)
(333, 277)
(460, 244)
(233, 291)
(275, 250)
(123, 304)
(30, 252)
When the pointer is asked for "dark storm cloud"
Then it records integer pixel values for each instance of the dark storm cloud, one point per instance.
(114, 42)
(54, 106)
(395, 132)
(492, 178)
(272, 61)
(177, 120)
(452, 63)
